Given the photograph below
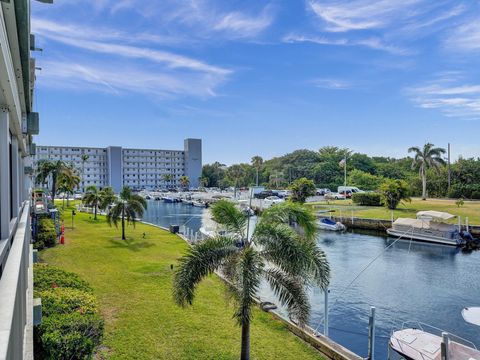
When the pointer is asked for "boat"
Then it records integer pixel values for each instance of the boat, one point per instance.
(429, 226)
(415, 343)
(168, 199)
(472, 315)
(199, 204)
(328, 224)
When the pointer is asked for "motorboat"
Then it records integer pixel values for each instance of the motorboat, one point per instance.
(416, 343)
(199, 204)
(472, 315)
(328, 224)
(168, 199)
(429, 226)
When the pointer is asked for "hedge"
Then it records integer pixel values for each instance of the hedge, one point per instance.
(367, 199)
(46, 277)
(71, 327)
(46, 235)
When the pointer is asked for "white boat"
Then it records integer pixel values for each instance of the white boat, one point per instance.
(328, 224)
(429, 226)
(199, 204)
(472, 315)
(416, 343)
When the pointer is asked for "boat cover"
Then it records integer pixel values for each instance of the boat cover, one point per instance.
(425, 227)
(434, 215)
(472, 315)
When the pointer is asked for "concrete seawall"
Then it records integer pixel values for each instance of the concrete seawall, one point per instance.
(381, 224)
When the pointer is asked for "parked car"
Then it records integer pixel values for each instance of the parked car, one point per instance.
(264, 194)
(322, 192)
(77, 197)
(351, 189)
(283, 193)
(272, 200)
(335, 196)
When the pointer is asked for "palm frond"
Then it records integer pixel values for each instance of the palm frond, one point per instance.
(292, 213)
(250, 267)
(291, 293)
(200, 260)
(226, 214)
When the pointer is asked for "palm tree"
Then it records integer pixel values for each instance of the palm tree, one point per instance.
(184, 182)
(107, 197)
(235, 172)
(128, 206)
(167, 178)
(282, 251)
(428, 157)
(92, 198)
(47, 169)
(257, 163)
(84, 158)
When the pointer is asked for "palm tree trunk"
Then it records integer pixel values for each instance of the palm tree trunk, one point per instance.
(245, 352)
(54, 187)
(424, 186)
(123, 225)
(95, 216)
(257, 176)
(68, 199)
(63, 202)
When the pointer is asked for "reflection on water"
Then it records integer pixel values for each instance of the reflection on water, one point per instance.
(409, 281)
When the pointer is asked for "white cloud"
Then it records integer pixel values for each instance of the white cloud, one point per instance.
(465, 37)
(370, 42)
(333, 84)
(448, 96)
(243, 25)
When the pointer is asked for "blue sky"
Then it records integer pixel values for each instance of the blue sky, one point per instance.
(259, 77)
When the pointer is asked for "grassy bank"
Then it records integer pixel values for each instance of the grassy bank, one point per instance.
(132, 281)
(345, 208)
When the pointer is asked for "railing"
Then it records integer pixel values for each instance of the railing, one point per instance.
(15, 341)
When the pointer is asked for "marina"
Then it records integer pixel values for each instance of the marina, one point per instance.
(407, 281)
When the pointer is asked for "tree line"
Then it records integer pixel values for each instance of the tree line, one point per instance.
(423, 168)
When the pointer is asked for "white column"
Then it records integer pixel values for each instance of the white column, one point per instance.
(4, 176)
(15, 177)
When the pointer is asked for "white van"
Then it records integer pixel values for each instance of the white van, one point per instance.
(352, 189)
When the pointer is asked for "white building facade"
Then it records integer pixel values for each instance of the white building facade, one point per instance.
(115, 166)
(18, 124)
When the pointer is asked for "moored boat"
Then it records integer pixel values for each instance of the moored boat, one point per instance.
(429, 226)
(328, 224)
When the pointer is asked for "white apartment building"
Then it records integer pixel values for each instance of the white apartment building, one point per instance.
(136, 168)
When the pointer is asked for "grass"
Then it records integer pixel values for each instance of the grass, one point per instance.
(132, 281)
(345, 208)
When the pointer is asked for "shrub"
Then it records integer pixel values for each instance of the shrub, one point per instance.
(47, 234)
(393, 192)
(459, 202)
(66, 301)
(46, 277)
(70, 336)
(301, 189)
(364, 180)
(367, 199)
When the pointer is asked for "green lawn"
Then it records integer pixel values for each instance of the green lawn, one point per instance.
(132, 281)
(345, 208)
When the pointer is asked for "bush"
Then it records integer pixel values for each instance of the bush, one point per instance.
(367, 199)
(301, 189)
(66, 301)
(47, 234)
(46, 277)
(393, 192)
(70, 336)
(468, 191)
(364, 180)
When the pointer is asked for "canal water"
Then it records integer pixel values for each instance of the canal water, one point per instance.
(408, 281)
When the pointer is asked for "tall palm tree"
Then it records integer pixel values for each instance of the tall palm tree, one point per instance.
(107, 197)
(84, 159)
(235, 172)
(184, 182)
(70, 177)
(92, 198)
(428, 157)
(257, 162)
(282, 251)
(128, 206)
(167, 178)
(50, 169)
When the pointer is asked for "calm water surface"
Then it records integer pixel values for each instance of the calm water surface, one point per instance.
(408, 282)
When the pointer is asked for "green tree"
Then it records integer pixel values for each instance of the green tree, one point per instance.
(364, 180)
(67, 181)
(127, 206)
(50, 169)
(257, 163)
(167, 178)
(393, 192)
(84, 159)
(428, 157)
(215, 173)
(92, 198)
(184, 182)
(235, 173)
(301, 189)
(287, 259)
(107, 197)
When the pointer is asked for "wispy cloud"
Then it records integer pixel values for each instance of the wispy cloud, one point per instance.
(370, 42)
(449, 95)
(465, 37)
(332, 84)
